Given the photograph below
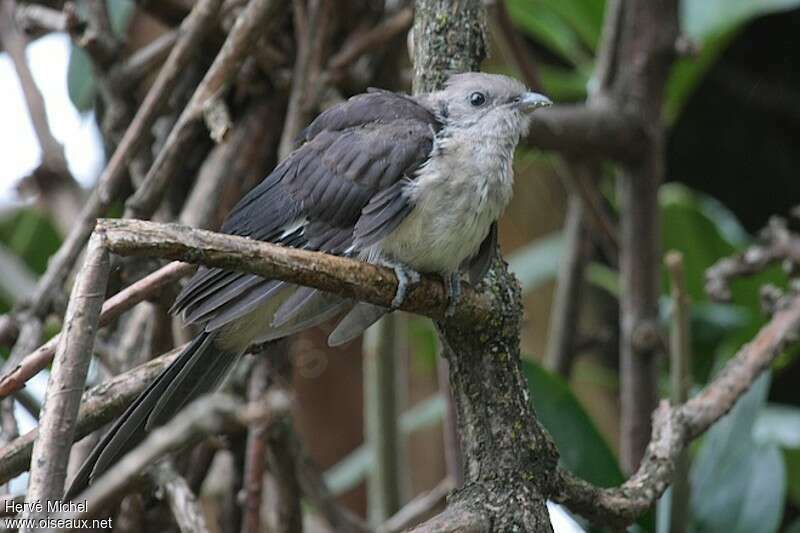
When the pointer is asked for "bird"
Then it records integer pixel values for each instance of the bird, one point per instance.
(413, 183)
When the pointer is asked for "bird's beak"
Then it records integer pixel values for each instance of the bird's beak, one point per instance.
(530, 102)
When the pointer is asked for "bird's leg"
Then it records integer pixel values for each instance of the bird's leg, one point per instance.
(452, 285)
(407, 277)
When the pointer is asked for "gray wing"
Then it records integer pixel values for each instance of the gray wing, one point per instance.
(338, 190)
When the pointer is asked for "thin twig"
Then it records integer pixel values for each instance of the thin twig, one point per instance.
(674, 427)
(418, 509)
(33, 17)
(320, 496)
(111, 179)
(362, 43)
(99, 405)
(255, 454)
(680, 373)
(9, 430)
(565, 313)
(249, 26)
(14, 42)
(143, 61)
(512, 44)
(182, 502)
(193, 29)
(383, 351)
(297, 111)
(63, 395)
(775, 244)
(206, 416)
(143, 289)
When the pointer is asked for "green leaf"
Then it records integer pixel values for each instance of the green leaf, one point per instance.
(712, 24)
(80, 79)
(31, 236)
(792, 458)
(583, 450)
(738, 485)
(688, 229)
(424, 343)
(703, 18)
(537, 262)
(350, 471)
(546, 25)
(603, 277)
(80, 76)
(780, 425)
(687, 73)
(564, 84)
(584, 16)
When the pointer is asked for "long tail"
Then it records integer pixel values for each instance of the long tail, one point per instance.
(199, 369)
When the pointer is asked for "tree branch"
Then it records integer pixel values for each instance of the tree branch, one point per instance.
(586, 130)
(99, 405)
(182, 502)
(675, 427)
(346, 277)
(249, 26)
(143, 289)
(206, 416)
(775, 244)
(63, 395)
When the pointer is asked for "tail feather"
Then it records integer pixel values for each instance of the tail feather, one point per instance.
(202, 373)
(170, 391)
(362, 316)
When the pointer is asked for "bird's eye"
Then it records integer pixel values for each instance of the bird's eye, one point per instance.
(477, 99)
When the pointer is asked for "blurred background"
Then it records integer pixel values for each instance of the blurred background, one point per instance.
(733, 154)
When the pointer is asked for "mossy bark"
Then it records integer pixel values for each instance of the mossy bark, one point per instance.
(509, 459)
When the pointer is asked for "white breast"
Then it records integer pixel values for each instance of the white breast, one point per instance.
(457, 195)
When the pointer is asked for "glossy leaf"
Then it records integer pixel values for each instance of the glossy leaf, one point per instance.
(780, 425)
(583, 450)
(537, 262)
(80, 77)
(351, 470)
(738, 485)
(703, 18)
(543, 23)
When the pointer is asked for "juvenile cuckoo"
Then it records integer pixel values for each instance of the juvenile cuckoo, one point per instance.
(413, 183)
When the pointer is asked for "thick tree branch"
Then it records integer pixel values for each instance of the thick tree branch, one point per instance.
(584, 130)
(339, 275)
(508, 458)
(642, 43)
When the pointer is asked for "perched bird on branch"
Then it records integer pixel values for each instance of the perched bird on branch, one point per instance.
(413, 183)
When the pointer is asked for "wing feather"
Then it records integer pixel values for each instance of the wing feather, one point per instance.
(344, 186)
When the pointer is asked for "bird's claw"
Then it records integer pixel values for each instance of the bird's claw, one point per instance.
(452, 284)
(406, 278)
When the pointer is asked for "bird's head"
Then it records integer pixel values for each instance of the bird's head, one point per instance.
(489, 103)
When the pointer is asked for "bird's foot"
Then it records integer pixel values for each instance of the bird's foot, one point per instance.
(452, 285)
(406, 278)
